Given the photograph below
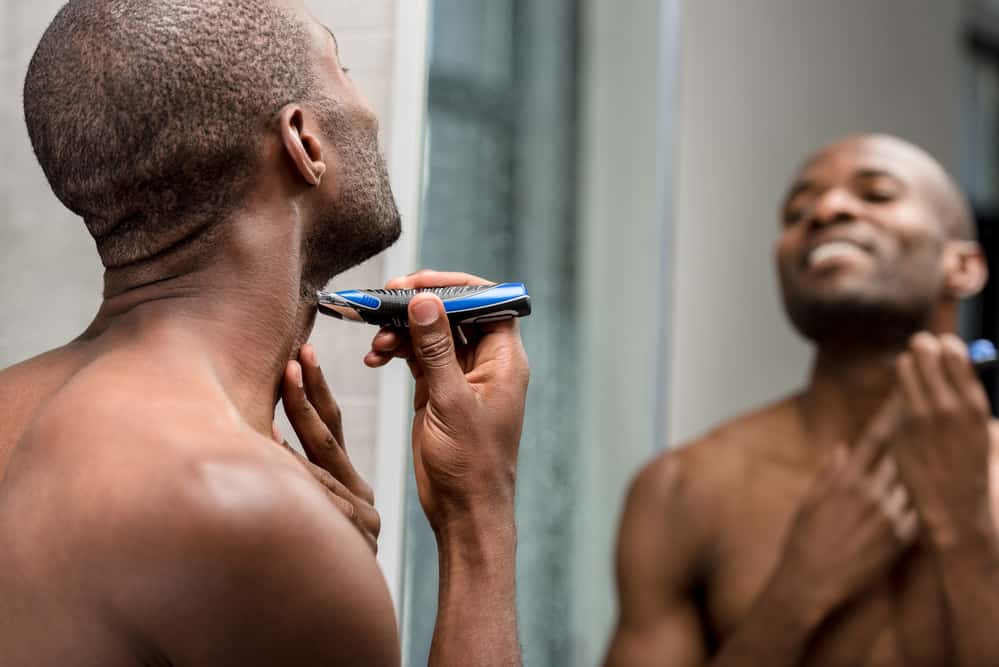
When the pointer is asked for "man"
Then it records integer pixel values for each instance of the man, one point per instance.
(855, 522)
(227, 168)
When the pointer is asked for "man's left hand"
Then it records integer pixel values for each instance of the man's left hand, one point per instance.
(943, 438)
(315, 416)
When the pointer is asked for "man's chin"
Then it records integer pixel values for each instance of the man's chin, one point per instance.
(837, 283)
(845, 319)
(329, 259)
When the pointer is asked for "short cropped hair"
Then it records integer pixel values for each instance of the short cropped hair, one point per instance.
(146, 116)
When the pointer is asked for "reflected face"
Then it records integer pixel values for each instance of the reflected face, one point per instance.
(861, 247)
(355, 216)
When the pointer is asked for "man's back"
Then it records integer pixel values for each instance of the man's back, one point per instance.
(27, 386)
(27, 504)
(133, 493)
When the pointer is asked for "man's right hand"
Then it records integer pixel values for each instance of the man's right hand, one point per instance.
(852, 527)
(469, 405)
(466, 432)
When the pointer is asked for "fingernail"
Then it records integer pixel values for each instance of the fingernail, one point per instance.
(296, 375)
(425, 312)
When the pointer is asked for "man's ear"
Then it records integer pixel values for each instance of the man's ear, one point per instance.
(965, 269)
(303, 147)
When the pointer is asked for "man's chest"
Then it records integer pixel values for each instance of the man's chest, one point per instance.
(900, 621)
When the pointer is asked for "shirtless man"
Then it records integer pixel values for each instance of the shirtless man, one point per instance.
(850, 524)
(227, 167)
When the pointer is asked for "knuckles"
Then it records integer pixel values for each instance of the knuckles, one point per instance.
(954, 347)
(365, 491)
(951, 411)
(916, 418)
(435, 350)
(925, 345)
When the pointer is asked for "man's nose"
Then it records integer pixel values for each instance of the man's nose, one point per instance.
(835, 205)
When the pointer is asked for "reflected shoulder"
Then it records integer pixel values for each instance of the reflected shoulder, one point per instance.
(695, 482)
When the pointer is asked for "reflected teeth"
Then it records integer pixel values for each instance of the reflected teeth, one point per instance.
(833, 249)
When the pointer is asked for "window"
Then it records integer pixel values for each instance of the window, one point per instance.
(500, 202)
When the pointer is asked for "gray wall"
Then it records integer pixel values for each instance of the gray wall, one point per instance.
(50, 277)
(619, 293)
(764, 83)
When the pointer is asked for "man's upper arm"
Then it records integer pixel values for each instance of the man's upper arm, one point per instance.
(270, 573)
(657, 568)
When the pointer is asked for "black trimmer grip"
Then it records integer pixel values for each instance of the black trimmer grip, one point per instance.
(466, 304)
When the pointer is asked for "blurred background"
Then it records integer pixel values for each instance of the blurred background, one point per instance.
(626, 159)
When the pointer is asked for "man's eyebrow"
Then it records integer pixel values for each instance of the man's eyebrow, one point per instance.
(797, 189)
(871, 172)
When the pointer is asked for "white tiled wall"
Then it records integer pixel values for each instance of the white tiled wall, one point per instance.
(364, 30)
(50, 277)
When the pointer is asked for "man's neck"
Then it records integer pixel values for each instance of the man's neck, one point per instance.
(242, 314)
(849, 384)
(846, 389)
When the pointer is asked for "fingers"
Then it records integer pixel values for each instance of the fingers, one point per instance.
(319, 394)
(936, 375)
(957, 366)
(433, 348)
(896, 502)
(876, 438)
(893, 498)
(909, 385)
(317, 439)
(315, 416)
(386, 346)
(884, 477)
(364, 517)
(389, 345)
(360, 509)
(357, 510)
(926, 377)
(430, 278)
(907, 527)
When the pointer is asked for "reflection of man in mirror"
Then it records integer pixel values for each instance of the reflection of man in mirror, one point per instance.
(853, 523)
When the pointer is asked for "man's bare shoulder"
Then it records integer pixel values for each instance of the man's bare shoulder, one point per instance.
(146, 444)
(726, 454)
(24, 388)
(107, 413)
(691, 487)
(182, 514)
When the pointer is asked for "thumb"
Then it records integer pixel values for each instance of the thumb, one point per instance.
(433, 347)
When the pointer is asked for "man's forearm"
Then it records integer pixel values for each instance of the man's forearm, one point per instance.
(477, 611)
(969, 573)
(775, 633)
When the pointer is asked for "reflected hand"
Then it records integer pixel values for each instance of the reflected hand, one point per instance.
(853, 525)
(944, 441)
